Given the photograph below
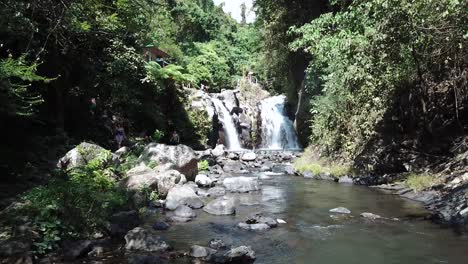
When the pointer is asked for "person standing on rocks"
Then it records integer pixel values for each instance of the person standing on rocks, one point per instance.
(175, 139)
(119, 134)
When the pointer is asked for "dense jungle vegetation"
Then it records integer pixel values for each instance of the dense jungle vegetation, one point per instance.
(362, 76)
(68, 69)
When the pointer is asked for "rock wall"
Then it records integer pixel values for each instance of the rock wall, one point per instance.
(242, 103)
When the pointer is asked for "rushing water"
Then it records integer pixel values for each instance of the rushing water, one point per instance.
(277, 129)
(229, 128)
(312, 236)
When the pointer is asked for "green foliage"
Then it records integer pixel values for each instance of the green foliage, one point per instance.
(152, 164)
(420, 182)
(16, 76)
(200, 122)
(369, 49)
(170, 72)
(310, 161)
(73, 205)
(149, 194)
(158, 135)
(208, 66)
(203, 165)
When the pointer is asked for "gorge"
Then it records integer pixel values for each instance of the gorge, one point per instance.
(166, 131)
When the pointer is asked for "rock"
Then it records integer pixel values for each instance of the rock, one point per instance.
(249, 156)
(371, 216)
(254, 227)
(140, 177)
(340, 210)
(232, 166)
(24, 258)
(221, 206)
(75, 249)
(123, 221)
(219, 151)
(283, 168)
(192, 186)
(241, 184)
(13, 247)
(308, 175)
(81, 155)
(185, 212)
(140, 239)
(161, 226)
(183, 157)
(203, 181)
(122, 151)
(233, 156)
(281, 221)
(168, 180)
(217, 244)
(345, 179)
(201, 252)
(242, 254)
(144, 259)
(259, 219)
(97, 251)
(183, 195)
(202, 193)
(216, 191)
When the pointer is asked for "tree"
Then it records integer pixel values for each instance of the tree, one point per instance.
(243, 13)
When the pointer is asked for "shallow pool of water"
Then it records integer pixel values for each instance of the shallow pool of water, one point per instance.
(312, 236)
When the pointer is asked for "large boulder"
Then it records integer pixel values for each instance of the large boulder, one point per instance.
(283, 169)
(183, 157)
(221, 206)
(249, 156)
(121, 222)
(242, 254)
(183, 195)
(168, 180)
(141, 177)
(216, 191)
(203, 180)
(241, 184)
(183, 213)
(139, 239)
(81, 155)
(232, 166)
(219, 151)
(201, 252)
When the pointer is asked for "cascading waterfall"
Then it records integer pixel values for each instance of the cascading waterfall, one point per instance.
(229, 128)
(277, 129)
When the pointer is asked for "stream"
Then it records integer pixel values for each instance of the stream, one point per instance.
(311, 235)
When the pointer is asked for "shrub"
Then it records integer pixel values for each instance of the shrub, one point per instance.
(420, 182)
(203, 165)
(310, 162)
(74, 204)
(158, 135)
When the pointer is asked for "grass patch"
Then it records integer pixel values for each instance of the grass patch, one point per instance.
(419, 182)
(310, 162)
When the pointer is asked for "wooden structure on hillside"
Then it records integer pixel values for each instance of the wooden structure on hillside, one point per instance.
(152, 53)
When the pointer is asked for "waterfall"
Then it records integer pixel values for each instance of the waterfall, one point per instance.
(277, 129)
(229, 128)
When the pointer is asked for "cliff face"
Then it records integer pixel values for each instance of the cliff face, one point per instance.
(243, 106)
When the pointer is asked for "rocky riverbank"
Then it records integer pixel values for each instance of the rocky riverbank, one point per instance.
(186, 191)
(444, 192)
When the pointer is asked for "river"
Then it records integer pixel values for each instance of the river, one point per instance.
(311, 235)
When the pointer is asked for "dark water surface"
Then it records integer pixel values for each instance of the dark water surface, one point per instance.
(312, 236)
